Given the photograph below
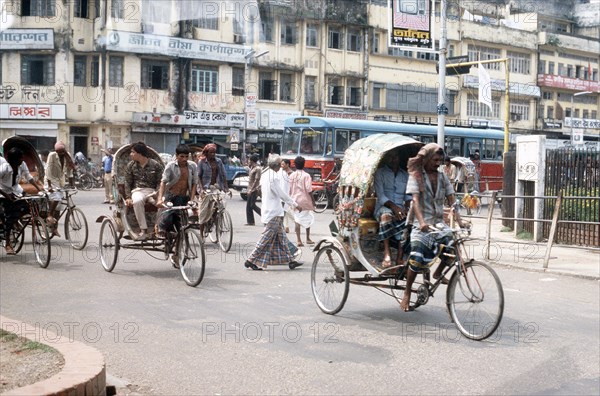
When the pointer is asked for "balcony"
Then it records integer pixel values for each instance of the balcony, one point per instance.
(575, 84)
(569, 42)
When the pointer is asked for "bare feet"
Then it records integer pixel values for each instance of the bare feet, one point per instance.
(9, 250)
(405, 303)
(299, 244)
(387, 262)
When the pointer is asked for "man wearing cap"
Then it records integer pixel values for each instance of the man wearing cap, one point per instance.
(59, 166)
(273, 248)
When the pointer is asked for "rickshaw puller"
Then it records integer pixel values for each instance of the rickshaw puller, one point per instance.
(429, 187)
(59, 166)
(178, 186)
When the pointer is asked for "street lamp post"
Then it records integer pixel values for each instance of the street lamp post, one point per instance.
(573, 109)
(249, 60)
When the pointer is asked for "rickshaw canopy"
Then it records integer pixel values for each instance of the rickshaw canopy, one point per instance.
(362, 158)
(122, 158)
(466, 162)
(30, 155)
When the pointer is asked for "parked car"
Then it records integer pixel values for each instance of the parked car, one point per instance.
(233, 171)
(241, 184)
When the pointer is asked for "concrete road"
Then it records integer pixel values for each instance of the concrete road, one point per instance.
(250, 332)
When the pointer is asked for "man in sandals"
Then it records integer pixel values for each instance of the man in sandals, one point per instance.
(392, 203)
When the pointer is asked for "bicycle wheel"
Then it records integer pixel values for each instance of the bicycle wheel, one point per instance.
(335, 202)
(86, 182)
(329, 280)
(109, 245)
(190, 251)
(321, 203)
(225, 231)
(212, 232)
(76, 228)
(475, 300)
(17, 236)
(41, 242)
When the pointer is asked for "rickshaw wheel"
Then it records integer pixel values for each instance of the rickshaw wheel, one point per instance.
(475, 300)
(41, 241)
(109, 245)
(192, 259)
(76, 229)
(321, 203)
(417, 298)
(17, 236)
(330, 280)
(212, 232)
(224, 228)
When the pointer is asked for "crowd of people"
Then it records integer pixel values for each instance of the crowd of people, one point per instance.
(421, 184)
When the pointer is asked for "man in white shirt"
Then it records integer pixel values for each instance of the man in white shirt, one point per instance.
(273, 248)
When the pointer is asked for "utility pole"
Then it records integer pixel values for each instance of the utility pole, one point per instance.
(442, 109)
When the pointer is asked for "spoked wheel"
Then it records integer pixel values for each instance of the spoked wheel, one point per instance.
(211, 231)
(86, 182)
(225, 231)
(475, 300)
(330, 279)
(41, 242)
(336, 202)
(190, 252)
(17, 236)
(109, 245)
(321, 203)
(76, 228)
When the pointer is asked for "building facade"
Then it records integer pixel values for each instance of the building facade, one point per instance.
(102, 73)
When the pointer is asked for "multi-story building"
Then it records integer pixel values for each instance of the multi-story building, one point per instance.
(107, 72)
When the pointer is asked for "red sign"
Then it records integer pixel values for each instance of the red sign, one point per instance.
(575, 84)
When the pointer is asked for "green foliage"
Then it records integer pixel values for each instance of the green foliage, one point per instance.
(581, 209)
(525, 235)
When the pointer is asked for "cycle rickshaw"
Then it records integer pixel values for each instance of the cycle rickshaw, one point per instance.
(474, 295)
(37, 203)
(184, 247)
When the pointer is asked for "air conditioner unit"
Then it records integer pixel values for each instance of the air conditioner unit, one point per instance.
(239, 39)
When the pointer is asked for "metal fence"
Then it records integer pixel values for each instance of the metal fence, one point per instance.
(575, 174)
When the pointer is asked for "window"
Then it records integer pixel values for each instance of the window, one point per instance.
(335, 91)
(542, 67)
(310, 96)
(238, 81)
(95, 70)
(595, 75)
(377, 88)
(286, 87)
(354, 40)
(519, 63)
(115, 71)
(80, 8)
(450, 50)
(117, 9)
(312, 35)
(594, 115)
(550, 112)
(551, 68)
(476, 109)
(43, 8)
(79, 70)
(576, 113)
(394, 51)
(568, 112)
(156, 11)
(562, 71)
(204, 78)
(375, 43)
(489, 149)
(155, 74)
(427, 55)
(205, 23)
(586, 114)
(288, 32)
(37, 69)
(353, 93)
(266, 29)
(453, 146)
(335, 38)
(519, 110)
(267, 87)
(344, 138)
(547, 95)
(484, 53)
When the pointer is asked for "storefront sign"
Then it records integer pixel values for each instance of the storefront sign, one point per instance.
(155, 129)
(32, 111)
(251, 120)
(234, 147)
(251, 100)
(175, 46)
(151, 118)
(345, 114)
(582, 123)
(549, 80)
(274, 119)
(410, 24)
(203, 118)
(203, 131)
(550, 123)
(11, 39)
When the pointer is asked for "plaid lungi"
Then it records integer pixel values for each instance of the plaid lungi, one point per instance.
(389, 225)
(273, 248)
(425, 247)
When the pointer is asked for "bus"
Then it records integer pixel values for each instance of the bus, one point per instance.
(323, 141)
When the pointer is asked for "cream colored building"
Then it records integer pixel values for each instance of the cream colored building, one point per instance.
(97, 73)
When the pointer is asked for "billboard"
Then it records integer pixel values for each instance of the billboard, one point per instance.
(410, 25)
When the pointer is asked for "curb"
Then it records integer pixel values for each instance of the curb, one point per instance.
(544, 271)
(84, 373)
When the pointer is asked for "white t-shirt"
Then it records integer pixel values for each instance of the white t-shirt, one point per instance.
(6, 174)
(272, 196)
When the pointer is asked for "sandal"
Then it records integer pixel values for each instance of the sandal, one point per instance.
(308, 242)
(387, 262)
